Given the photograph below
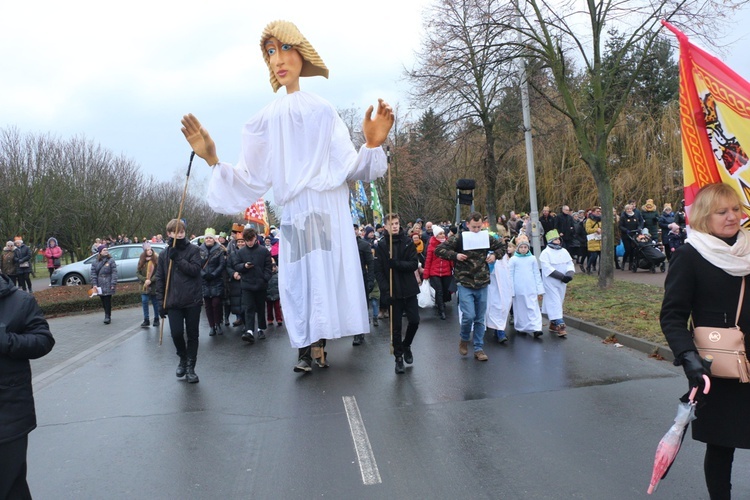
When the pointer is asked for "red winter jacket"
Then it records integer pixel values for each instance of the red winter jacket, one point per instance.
(434, 265)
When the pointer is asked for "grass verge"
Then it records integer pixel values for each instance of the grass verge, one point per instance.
(626, 307)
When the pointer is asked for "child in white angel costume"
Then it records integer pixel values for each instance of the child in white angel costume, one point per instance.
(527, 287)
(557, 271)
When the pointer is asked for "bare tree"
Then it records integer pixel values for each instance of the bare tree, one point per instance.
(460, 70)
(556, 32)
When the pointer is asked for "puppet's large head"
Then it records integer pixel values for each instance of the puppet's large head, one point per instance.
(287, 32)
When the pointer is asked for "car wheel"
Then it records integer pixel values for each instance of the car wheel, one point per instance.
(73, 280)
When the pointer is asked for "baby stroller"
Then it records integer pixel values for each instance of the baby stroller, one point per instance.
(647, 254)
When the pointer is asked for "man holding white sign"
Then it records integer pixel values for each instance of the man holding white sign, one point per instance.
(473, 251)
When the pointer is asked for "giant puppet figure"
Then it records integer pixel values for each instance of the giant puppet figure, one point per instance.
(300, 146)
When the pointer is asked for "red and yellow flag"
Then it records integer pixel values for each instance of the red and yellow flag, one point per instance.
(715, 122)
(257, 213)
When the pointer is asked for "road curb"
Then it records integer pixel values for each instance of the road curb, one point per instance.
(634, 343)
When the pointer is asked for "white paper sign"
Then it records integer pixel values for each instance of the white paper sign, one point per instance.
(476, 241)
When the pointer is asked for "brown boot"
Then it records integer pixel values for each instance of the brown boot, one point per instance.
(463, 347)
(319, 354)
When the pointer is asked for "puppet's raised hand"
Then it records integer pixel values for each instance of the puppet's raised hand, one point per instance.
(199, 139)
(376, 128)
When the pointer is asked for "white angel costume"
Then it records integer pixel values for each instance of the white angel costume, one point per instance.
(553, 260)
(499, 295)
(527, 286)
(299, 145)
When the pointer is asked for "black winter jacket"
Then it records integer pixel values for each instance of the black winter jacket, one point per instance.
(255, 278)
(213, 260)
(185, 284)
(24, 335)
(404, 264)
(272, 293)
(235, 286)
(566, 226)
(23, 254)
(367, 261)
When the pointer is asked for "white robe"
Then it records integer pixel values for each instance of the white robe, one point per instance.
(299, 145)
(527, 286)
(554, 289)
(499, 295)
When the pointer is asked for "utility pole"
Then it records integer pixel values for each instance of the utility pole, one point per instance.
(535, 238)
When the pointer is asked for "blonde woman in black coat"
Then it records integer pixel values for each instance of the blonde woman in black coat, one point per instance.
(704, 280)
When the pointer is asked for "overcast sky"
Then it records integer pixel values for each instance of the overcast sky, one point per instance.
(123, 73)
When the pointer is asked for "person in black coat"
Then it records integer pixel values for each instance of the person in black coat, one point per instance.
(254, 266)
(566, 227)
(704, 281)
(368, 272)
(631, 223)
(24, 335)
(23, 265)
(182, 263)
(403, 297)
(213, 259)
(548, 222)
(235, 282)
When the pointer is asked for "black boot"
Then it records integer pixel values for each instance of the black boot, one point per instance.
(219, 331)
(408, 357)
(190, 375)
(146, 323)
(156, 321)
(399, 365)
(182, 367)
(357, 340)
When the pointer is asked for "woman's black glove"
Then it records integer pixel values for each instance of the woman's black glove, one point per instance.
(694, 367)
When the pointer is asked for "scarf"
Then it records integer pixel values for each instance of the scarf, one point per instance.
(734, 259)
(420, 246)
(527, 254)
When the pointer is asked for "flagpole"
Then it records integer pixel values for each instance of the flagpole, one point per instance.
(390, 248)
(174, 242)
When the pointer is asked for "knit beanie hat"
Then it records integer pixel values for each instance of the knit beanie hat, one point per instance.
(286, 32)
(100, 248)
(437, 230)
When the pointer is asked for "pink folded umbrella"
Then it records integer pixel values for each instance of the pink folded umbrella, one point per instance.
(670, 444)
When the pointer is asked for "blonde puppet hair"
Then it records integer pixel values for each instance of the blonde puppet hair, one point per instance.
(286, 32)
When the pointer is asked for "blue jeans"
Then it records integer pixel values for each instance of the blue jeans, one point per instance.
(473, 304)
(145, 298)
(375, 303)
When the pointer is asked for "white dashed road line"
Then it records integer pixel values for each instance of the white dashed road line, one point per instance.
(367, 465)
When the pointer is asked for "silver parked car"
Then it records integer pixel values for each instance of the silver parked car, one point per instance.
(126, 256)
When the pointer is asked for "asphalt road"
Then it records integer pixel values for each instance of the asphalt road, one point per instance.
(542, 419)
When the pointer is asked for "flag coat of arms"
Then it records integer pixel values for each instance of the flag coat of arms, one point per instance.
(714, 120)
(257, 212)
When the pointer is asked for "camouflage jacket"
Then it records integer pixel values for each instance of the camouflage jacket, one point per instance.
(473, 272)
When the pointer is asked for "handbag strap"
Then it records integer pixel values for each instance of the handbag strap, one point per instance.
(739, 305)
